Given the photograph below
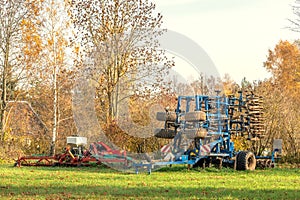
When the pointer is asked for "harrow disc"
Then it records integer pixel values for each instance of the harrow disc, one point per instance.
(166, 116)
(200, 133)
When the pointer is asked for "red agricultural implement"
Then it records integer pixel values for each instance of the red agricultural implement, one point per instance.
(75, 155)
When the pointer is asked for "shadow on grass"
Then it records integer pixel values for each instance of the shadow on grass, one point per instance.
(97, 169)
(183, 168)
(145, 192)
(102, 168)
(166, 169)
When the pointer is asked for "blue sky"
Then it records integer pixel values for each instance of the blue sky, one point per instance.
(236, 34)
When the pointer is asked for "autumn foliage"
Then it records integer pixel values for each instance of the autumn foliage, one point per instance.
(47, 45)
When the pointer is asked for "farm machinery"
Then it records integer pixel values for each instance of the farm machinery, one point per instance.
(202, 129)
(75, 154)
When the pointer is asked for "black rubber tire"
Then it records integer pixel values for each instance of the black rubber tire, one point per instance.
(200, 163)
(165, 133)
(246, 161)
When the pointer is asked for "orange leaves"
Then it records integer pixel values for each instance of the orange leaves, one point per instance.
(284, 64)
(44, 33)
(284, 56)
(32, 41)
(34, 6)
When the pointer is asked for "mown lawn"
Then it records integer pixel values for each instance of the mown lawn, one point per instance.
(170, 183)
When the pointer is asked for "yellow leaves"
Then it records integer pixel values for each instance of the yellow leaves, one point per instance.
(50, 42)
(23, 22)
(38, 41)
(32, 41)
(239, 143)
(227, 91)
(76, 49)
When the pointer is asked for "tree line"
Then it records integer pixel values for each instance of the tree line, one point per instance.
(47, 45)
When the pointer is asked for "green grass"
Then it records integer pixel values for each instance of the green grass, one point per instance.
(170, 183)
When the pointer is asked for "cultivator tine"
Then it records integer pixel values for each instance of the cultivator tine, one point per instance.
(247, 116)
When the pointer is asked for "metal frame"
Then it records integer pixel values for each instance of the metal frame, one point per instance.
(219, 123)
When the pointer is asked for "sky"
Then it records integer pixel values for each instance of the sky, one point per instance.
(236, 34)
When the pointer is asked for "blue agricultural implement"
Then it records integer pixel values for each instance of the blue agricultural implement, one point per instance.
(202, 127)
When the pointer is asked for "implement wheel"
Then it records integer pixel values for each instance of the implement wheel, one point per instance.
(165, 133)
(246, 161)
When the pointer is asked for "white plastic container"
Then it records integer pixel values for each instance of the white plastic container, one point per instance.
(77, 140)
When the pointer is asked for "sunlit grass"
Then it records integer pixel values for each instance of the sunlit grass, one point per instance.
(174, 183)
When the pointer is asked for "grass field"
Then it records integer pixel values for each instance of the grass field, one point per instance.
(168, 183)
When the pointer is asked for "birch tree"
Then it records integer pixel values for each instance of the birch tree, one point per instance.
(121, 39)
(46, 38)
(12, 13)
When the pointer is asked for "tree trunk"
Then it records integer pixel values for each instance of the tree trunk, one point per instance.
(4, 90)
(55, 97)
(109, 108)
(55, 105)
